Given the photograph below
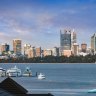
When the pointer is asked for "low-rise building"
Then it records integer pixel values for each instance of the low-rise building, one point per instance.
(55, 51)
(47, 52)
(38, 52)
(75, 50)
(4, 48)
(67, 53)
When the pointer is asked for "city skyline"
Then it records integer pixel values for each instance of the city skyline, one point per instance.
(38, 22)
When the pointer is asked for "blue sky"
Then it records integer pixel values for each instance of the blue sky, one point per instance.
(38, 22)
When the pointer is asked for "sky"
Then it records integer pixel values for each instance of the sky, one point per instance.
(38, 22)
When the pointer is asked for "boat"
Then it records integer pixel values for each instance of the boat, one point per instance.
(13, 72)
(92, 91)
(2, 72)
(27, 72)
(41, 76)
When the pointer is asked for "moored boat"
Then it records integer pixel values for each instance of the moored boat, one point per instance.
(27, 72)
(2, 72)
(13, 72)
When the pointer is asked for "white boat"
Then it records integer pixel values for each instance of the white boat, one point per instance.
(13, 72)
(2, 72)
(41, 76)
(27, 72)
(92, 91)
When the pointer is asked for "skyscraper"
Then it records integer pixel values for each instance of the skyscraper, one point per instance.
(67, 40)
(17, 46)
(73, 39)
(93, 44)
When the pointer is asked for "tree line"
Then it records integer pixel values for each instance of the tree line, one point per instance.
(53, 59)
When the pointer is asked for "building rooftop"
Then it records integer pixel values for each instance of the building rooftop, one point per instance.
(13, 87)
(9, 87)
(4, 93)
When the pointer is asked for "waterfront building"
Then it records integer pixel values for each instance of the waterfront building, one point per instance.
(17, 46)
(93, 44)
(47, 52)
(55, 51)
(75, 49)
(38, 52)
(4, 47)
(84, 47)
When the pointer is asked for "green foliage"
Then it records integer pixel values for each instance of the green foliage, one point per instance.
(52, 59)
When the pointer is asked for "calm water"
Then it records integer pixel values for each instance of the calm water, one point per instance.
(61, 79)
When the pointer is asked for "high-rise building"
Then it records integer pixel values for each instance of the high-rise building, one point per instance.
(17, 46)
(83, 47)
(38, 52)
(67, 40)
(4, 47)
(93, 44)
(73, 39)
